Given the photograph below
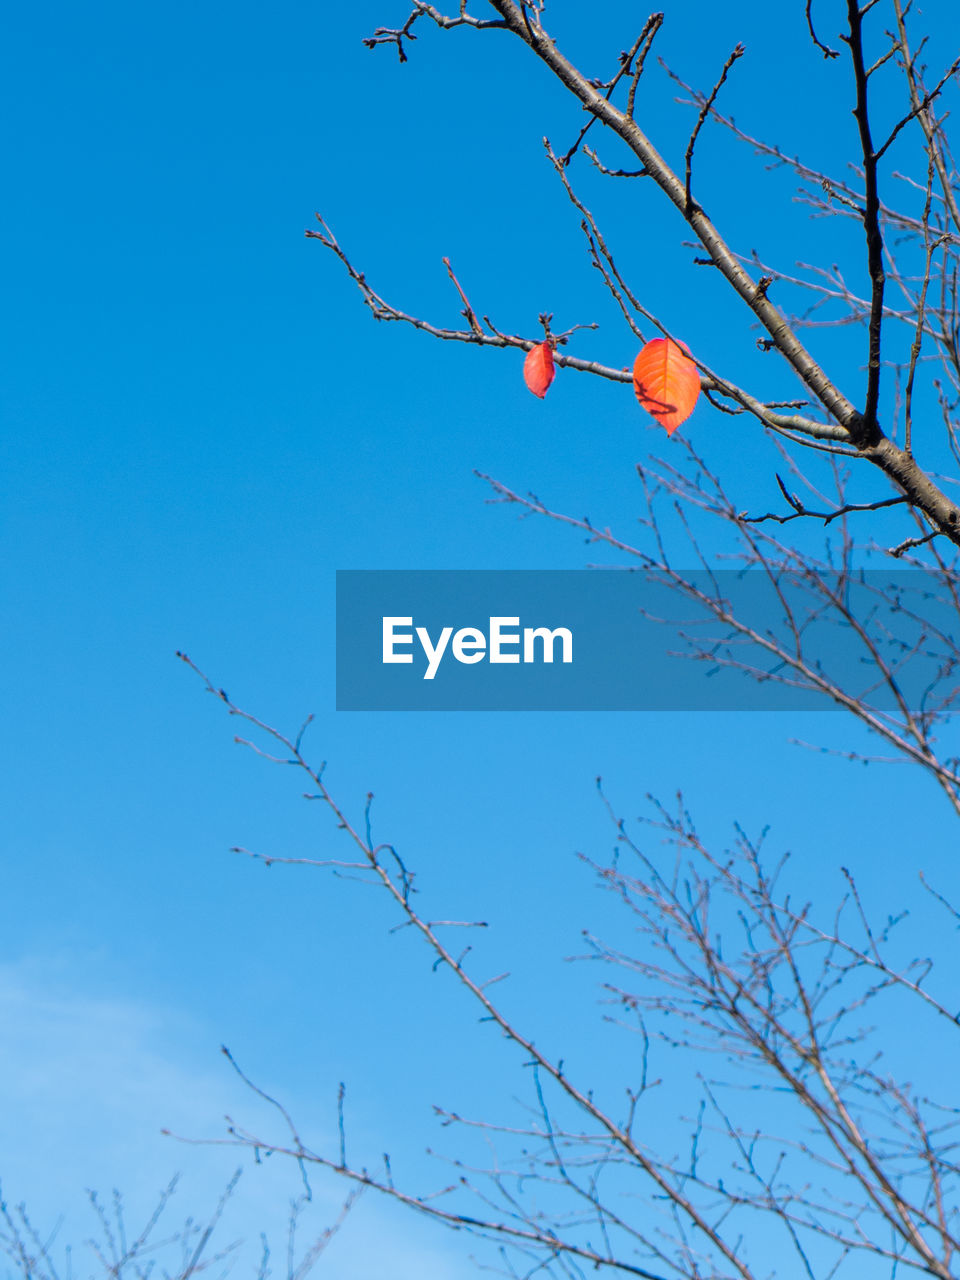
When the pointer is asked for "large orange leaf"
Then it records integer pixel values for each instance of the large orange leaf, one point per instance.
(538, 370)
(666, 382)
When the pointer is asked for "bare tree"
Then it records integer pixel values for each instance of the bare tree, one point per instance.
(809, 1155)
(807, 1143)
(908, 312)
(178, 1253)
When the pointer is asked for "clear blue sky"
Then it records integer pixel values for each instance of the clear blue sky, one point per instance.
(200, 424)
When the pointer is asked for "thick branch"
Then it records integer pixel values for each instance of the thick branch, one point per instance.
(871, 222)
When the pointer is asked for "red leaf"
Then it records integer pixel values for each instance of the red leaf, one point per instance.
(666, 382)
(538, 370)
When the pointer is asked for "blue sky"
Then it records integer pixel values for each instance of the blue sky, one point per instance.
(201, 423)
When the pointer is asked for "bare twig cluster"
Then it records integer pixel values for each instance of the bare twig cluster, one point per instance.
(792, 1118)
(881, 646)
(177, 1254)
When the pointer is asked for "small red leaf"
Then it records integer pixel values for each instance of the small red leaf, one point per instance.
(538, 370)
(666, 382)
